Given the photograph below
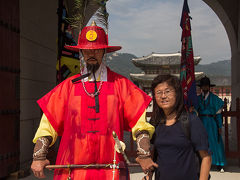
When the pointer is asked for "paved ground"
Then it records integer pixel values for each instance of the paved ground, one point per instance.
(234, 174)
(231, 173)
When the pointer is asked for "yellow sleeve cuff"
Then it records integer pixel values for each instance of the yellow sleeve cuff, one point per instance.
(141, 125)
(45, 129)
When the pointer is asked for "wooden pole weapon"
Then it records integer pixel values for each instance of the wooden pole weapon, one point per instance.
(88, 166)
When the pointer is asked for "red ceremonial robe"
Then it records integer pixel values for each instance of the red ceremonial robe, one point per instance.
(87, 135)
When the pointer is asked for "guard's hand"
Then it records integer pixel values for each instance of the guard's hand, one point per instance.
(146, 164)
(38, 166)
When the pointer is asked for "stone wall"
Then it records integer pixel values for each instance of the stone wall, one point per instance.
(38, 35)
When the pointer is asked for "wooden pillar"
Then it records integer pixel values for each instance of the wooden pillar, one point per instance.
(10, 90)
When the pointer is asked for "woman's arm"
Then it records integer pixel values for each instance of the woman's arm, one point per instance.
(205, 165)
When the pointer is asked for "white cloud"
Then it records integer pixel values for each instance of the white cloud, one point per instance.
(145, 26)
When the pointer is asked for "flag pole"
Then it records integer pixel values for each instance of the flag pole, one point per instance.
(187, 70)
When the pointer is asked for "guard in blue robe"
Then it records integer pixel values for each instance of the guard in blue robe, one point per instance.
(209, 111)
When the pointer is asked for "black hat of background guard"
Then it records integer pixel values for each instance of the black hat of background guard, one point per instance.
(205, 81)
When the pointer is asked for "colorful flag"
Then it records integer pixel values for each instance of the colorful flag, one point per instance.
(187, 75)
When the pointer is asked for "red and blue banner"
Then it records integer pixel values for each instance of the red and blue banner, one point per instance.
(187, 75)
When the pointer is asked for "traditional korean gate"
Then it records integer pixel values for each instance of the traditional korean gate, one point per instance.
(10, 86)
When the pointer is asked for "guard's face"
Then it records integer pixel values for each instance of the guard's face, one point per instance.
(93, 56)
(165, 96)
(205, 88)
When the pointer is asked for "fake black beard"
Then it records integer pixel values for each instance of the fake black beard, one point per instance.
(92, 68)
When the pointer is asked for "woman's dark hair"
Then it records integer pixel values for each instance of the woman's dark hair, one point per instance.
(158, 115)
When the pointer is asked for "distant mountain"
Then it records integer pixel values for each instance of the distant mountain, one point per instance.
(220, 68)
(121, 63)
(219, 72)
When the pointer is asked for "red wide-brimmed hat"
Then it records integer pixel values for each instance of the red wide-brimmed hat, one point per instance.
(93, 37)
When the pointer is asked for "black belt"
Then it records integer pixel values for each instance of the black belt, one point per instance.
(208, 115)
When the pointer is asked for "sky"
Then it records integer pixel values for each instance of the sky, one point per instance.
(145, 26)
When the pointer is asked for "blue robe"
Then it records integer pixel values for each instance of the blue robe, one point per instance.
(211, 106)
